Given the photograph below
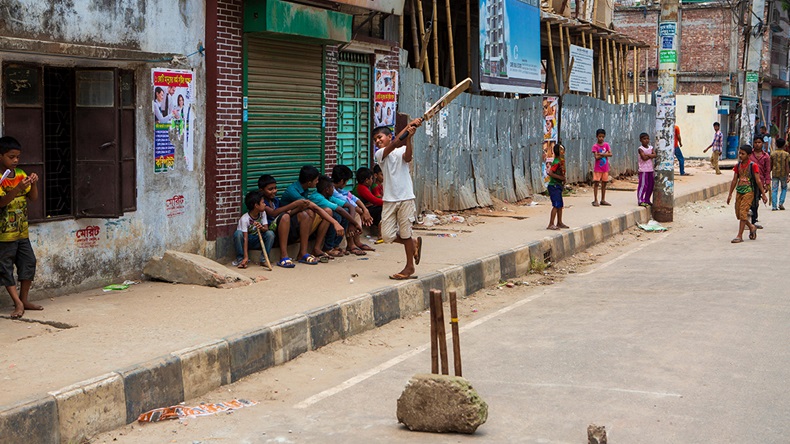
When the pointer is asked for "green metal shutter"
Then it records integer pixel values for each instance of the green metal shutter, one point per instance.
(353, 133)
(284, 129)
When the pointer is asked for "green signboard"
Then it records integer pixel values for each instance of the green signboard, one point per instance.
(752, 77)
(668, 56)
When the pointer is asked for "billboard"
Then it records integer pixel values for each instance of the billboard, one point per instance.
(510, 46)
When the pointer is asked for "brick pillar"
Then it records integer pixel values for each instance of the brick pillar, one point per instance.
(330, 102)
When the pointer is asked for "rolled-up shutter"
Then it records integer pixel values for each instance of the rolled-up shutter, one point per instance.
(284, 130)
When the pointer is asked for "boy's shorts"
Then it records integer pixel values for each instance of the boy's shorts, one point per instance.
(293, 230)
(555, 193)
(600, 176)
(19, 253)
(743, 203)
(397, 219)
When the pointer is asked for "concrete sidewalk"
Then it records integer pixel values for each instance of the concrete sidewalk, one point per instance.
(158, 344)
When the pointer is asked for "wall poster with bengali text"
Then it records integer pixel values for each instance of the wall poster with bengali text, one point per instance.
(550, 113)
(509, 46)
(173, 114)
(385, 103)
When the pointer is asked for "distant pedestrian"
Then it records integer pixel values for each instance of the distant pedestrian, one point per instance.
(602, 152)
(556, 187)
(763, 162)
(717, 145)
(678, 151)
(746, 183)
(644, 192)
(767, 140)
(399, 210)
(780, 174)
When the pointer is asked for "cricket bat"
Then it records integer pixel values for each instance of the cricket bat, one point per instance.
(5, 175)
(444, 101)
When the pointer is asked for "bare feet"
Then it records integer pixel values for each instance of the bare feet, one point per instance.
(32, 306)
(17, 313)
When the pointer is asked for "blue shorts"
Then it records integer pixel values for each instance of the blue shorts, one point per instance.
(555, 193)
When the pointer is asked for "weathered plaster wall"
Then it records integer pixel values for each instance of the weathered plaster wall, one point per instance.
(696, 129)
(122, 245)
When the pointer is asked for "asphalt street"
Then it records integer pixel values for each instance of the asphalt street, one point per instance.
(679, 339)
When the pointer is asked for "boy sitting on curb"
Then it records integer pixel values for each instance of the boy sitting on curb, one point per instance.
(250, 224)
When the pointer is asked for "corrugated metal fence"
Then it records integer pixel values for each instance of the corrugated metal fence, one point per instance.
(485, 146)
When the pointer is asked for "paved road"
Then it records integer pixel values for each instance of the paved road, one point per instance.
(682, 339)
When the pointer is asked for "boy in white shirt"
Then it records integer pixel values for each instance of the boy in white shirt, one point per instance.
(398, 212)
(246, 236)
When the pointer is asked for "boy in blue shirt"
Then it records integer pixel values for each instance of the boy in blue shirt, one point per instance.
(322, 220)
(341, 174)
(323, 197)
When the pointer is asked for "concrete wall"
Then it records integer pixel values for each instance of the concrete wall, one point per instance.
(696, 129)
(128, 34)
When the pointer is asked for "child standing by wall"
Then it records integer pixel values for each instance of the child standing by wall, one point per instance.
(556, 186)
(746, 178)
(646, 181)
(15, 248)
(602, 152)
(399, 209)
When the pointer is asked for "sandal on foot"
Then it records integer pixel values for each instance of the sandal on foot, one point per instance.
(365, 247)
(562, 226)
(596, 204)
(553, 227)
(402, 277)
(323, 258)
(286, 262)
(605, 203)
(753, 234)
(308, 259)
(356, 250)
(418, 251)
(737, 240)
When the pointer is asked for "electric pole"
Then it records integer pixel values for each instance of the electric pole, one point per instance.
(668, 44)
(752, 74)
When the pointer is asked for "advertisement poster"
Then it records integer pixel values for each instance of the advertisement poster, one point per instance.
(582, 70)
(385, 103)
(550, 112)
(173, 96)
(509, 52)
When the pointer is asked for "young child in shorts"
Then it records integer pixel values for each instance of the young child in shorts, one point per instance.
(602, 152)
(250, 225)
(15, 248)
(556, 186)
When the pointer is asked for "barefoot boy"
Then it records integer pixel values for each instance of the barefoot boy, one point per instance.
(15, 247)
(398, 211)
(744, 181)
(555, 187)
(602, 152)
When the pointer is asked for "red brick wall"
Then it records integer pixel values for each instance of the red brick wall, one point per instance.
(330, 92)
(227, 132)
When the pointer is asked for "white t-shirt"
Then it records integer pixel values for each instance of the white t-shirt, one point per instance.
(246, 221)
(397, 178)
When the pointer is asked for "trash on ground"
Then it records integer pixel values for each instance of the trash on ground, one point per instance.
(178, 412)
(115, 287)
(447, 235)
(652, 226)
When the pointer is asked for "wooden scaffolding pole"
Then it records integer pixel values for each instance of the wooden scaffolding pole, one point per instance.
(426, 69)
(400, 31)
(563, 67)
(468, 39)
(435, 45)
(615, 72)
(601, 71)
(450, 44)
(414, 35)
(591, 48)
(636, 74)
(624, 70)
(551, 58)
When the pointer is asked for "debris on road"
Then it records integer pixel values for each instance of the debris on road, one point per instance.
(652, 226)
(179, 412)
(441, 403)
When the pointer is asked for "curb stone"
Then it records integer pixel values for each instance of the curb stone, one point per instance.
(109, 401)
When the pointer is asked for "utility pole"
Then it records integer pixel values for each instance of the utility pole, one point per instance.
(668, 44)
(752, 74)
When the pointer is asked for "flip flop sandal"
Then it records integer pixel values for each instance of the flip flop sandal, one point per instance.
(324, 258)
(753, 235)
(596, 204)
(309, 259)
(242, 266)
(418, 252)
(357, 251)
(286, 262)
(365, 247)
(401, 277)
(736, 241)
(606, 204)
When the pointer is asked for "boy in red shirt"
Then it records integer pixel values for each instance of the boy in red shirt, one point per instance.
(744, 181)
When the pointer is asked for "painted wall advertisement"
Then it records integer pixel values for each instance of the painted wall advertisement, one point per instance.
(173, 98)
(510, 55)
(385, 103)
(582, 70)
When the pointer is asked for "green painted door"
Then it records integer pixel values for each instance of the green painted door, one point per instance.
(283, 129)
(354, 99)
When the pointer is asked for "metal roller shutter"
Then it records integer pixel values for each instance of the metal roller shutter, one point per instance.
(284, 88)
